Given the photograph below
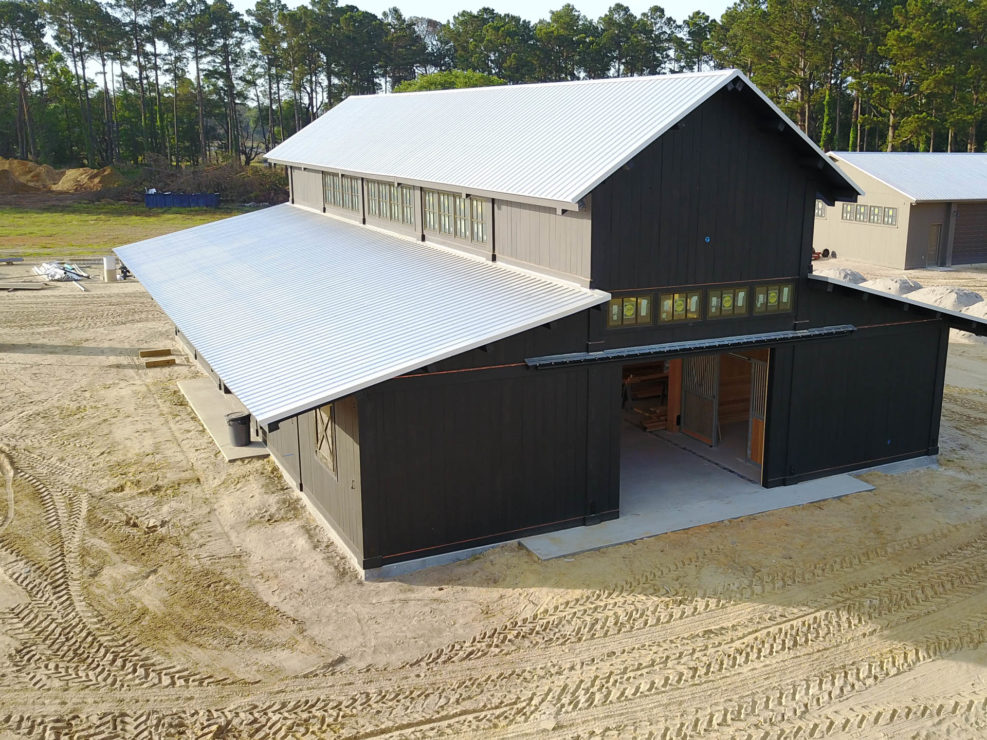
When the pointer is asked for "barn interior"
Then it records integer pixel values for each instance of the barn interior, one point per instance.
(711, 406)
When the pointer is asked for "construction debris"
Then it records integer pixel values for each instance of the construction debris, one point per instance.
(60, 272)
(159, 363)
(9, 287)
(154, 352)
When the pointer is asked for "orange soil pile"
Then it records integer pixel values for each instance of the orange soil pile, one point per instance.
(20, 176)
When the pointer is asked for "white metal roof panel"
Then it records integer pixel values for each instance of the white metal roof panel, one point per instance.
(550, 141)
(925, 176)
(293, 308)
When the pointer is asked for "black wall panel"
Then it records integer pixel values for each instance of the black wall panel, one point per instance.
(464, 459)
(867, 399)
(724, 175)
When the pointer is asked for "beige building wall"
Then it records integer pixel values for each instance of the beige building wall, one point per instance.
(306, 188)
(927, 224)
(541, 239)
(537, 238)
(867, 242)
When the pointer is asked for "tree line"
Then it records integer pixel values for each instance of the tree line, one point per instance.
(192, 81)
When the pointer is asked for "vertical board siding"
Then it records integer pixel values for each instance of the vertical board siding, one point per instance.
(306, 188)
(540, 238)
(887, 399)
(283, 445)
(719, 176)
(970, 235)
(461, 460)
(338, 497)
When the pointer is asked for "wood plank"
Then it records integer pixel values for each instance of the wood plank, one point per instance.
(154, 352)
(11, 260)
(159, 363)
(23, 286)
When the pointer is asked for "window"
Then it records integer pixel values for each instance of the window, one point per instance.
(773, 298)
(632, 310)
(679, 306)
(861, 213)
(820, 209)
(725, 302)
(391, 202)
(890, 216)
(459, 216)
(325, 436)
(431, 210)
(876, 214)
(341, 191)
(848, 211)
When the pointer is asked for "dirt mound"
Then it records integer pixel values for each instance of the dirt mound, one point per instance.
(952, 299)
(84, 179)
(895, 286)
(841, 273)
(41, 177)
(10, 185)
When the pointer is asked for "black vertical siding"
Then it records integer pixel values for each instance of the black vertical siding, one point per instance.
(866, 399)
(464, 459)
(721, 175)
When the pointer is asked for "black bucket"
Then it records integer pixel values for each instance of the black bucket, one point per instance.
(239, 425)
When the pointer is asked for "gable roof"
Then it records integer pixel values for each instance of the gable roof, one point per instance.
(294, 309)
(551, 142)
(924, 176)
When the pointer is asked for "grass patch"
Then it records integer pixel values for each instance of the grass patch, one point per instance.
(92, 229)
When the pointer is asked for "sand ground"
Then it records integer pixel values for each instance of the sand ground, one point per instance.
(149, 589)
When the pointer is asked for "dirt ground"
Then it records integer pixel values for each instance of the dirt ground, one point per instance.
(148, 589)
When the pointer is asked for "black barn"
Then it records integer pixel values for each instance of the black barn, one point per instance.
(676, 211)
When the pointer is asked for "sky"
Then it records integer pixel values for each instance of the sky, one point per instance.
(533, 10)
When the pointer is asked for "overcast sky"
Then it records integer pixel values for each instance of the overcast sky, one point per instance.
(533, 10)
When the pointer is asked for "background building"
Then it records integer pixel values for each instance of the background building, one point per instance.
(918, 210)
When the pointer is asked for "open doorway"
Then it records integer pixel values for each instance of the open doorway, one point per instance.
(710, 405)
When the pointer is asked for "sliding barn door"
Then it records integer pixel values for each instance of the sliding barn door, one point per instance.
(700, 397)
(759, 403)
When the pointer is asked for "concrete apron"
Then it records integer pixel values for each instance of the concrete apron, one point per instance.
(211, 405)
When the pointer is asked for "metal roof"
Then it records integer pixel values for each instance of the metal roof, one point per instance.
(955, 319)
(924, 176)
(552, 142)
(293, 309)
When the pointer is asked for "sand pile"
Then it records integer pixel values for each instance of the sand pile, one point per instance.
(20, 176)
(82, 179)
(841, 273)
(895, 286)
(952, 299)
(10, 184)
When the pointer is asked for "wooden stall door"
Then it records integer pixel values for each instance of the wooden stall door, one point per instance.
(700, 397)
(759, 402)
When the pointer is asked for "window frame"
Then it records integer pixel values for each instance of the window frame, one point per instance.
(325, 437)
(463, 218)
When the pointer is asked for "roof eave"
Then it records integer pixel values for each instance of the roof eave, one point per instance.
(955, 319)
(566, 205)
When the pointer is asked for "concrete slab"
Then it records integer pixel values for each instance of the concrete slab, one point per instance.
(211, 406)
(665, 488)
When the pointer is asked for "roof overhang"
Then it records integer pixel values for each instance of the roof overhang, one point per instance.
(691, 347)
(293, 309)
(954, 319)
